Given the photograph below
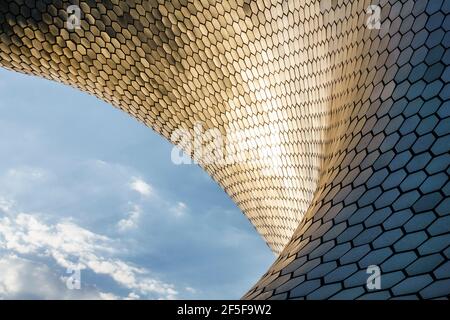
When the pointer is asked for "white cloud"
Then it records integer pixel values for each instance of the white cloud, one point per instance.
(190, 290)
(108, 296)
(21, 179)
(179, 209)
(5, 205)
(25, 279)
(132, 296)
(73, 246)
(70, 245)
(26, 173)
(24, 233)
(131, 221)
(141, 187)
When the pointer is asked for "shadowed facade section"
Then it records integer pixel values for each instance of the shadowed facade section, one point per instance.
(345, 128)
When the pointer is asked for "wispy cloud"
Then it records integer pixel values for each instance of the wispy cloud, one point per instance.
(26, 173)
(179, 209)
(141, 187)
(190, 290)
(26, 279)
(73, 246)
(5, 205)
(131, 221)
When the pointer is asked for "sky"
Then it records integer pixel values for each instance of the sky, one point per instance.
(84, 186)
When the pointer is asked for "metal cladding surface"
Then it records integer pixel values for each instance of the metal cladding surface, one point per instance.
(341, 131)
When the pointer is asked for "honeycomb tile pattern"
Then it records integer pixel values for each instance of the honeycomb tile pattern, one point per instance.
(347, 127)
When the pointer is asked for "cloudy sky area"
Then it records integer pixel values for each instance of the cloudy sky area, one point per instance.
(83, 185)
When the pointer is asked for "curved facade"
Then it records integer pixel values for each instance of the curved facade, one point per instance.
(337, 112)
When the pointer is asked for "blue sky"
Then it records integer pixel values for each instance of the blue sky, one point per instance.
(84, 185)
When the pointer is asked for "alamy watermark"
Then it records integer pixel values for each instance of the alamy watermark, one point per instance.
(73, 17)
(374, 19)
(374, 279)
(211, 146)
(73, 281)
(373, 11)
